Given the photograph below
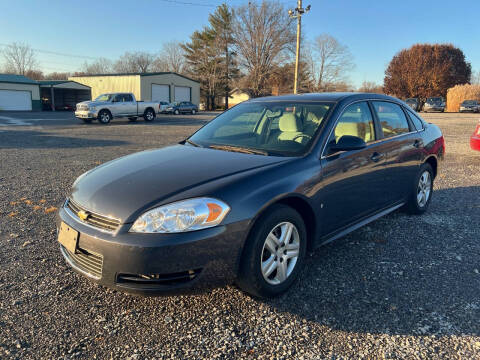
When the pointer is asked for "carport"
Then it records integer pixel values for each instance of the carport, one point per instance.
(63, 94)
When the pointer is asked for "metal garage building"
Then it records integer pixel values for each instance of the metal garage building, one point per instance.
(160, 86)
(62, 94)
(18, 92)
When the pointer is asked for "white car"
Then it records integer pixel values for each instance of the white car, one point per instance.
(163, 107)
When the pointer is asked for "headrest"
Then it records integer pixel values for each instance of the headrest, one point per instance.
(289, 123)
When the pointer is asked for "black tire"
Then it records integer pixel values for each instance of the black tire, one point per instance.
(176, 112)
(149, 115)
(87, 121)
(104, 117)
(132, 119)
(413, 205)
(250, 278)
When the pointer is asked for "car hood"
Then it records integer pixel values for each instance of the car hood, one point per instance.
(139, 181)
(93, 103)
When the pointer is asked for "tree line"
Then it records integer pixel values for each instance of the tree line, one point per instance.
(251, 48)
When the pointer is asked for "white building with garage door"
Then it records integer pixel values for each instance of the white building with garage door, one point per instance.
(19, 93)
(160, 86)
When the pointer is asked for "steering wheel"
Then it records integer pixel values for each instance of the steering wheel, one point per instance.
(302, 136)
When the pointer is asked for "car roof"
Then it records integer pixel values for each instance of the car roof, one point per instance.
(327, 96)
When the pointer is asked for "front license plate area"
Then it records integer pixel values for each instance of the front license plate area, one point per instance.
(68, 237)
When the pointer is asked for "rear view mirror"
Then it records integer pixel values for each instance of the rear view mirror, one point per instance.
(348, 143)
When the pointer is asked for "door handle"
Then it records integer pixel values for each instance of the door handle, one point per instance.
(376, 157)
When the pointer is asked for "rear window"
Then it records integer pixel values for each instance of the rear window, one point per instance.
(392, 118)
(416, 120)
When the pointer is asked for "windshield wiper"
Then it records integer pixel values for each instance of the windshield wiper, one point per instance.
(192, 143)
(238, 149)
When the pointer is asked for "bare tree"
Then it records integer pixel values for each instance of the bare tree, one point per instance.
(332, 61)
(171, 58)
(263, 33)
(100, 66)
(58, 75)
(132, 62)
(19, 58)
(475, 79)
(371, 87)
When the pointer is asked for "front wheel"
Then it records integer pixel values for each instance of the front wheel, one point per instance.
(176, 112)
(422, 190)
(194, 111)
(149, 115)
(274, 253)
(104, 117)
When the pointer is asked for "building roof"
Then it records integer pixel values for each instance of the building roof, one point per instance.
(133, 74)
(52, 82)
(12, 78)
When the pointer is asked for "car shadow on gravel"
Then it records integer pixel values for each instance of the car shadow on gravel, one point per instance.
(28, 139)
(404, 275)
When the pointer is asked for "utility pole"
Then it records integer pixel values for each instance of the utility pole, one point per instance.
(297, 13)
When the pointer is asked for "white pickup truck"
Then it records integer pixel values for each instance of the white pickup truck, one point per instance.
(115, 105)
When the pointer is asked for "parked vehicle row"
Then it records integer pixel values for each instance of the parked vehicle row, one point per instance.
(290, 173)
(438, 104)
(118, 105)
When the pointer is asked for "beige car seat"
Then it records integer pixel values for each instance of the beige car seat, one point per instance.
(290, 128)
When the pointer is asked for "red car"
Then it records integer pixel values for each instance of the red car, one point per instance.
(475, 139)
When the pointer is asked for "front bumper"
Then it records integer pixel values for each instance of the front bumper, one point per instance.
(155, 264)
(469, 109)
(86, 114)
(434, 108)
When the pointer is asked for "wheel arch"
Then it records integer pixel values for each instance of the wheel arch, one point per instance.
(148, 108)
(107, 110)
(433, 162)
(302, 206)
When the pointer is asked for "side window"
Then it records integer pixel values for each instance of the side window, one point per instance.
(128, 97)
(415, 119)
(392, 118)
(357, 121)
(118, 98)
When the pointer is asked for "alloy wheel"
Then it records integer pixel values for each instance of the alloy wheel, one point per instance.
(424, 189)
(280, 253)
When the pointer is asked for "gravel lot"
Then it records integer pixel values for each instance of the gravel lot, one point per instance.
(402, 287)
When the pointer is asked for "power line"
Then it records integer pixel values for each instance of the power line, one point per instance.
(60, 54)
(188, 3)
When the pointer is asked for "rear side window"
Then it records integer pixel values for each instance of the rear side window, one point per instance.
(392, 118)
(128, 97)
(415, 119)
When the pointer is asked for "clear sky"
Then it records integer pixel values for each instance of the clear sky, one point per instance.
(374, 30)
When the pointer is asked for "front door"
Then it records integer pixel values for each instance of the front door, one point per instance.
(354, 181)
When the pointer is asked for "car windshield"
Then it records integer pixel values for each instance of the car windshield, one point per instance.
(470, 102)
(104, 97)
(270, 128)
(434, 100)
(411, 101)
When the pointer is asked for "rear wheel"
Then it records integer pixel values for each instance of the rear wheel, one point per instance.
(194, 111)
(104, 117)
(274, 253)
(421, 192)
(176, 112)
(149, 115)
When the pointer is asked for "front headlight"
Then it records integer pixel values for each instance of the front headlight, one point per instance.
(181, 216)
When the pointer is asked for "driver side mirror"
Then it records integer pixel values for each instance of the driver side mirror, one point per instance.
(348, 143)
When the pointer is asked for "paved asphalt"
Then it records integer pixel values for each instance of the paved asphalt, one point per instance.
(403, 287)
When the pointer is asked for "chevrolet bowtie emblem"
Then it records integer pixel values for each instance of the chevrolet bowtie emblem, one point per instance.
(83, 215)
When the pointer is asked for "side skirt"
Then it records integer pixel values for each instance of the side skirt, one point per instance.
(329, 238)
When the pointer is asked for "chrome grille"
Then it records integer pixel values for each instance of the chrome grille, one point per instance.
(86, 261)
(82, 107)
(95, 220)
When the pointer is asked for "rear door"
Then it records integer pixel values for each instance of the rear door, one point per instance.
(354, 181)
(130, 105)
(403, 146)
